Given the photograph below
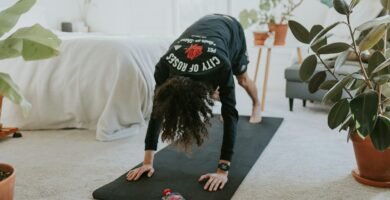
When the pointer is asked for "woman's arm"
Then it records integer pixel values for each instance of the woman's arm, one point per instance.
(218, 180)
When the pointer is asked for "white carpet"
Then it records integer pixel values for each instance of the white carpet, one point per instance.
(305, 160)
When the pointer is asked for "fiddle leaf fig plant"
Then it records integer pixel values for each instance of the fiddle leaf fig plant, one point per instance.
(30, 43)
(361, 99)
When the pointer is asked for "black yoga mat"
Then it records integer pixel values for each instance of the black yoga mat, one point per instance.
(180, 172)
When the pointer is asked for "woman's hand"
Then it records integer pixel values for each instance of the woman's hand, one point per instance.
(215, 181)
(136, 173)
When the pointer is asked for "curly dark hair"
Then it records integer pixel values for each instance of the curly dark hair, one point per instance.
(184, 105)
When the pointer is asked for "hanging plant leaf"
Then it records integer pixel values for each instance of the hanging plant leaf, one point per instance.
(336, 90)
(375, 60)
(10, 16)
(341, 59)
(299, 31)
(326, 85)
(308, 67)
(373, 37)
(364, 108)
(338, 113)
(375, 22)
(334, 48)
(341, 7)
(316, 81)
(380, 136)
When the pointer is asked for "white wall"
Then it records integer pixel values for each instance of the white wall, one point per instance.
(152, 16)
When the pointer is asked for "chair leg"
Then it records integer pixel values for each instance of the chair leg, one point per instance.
(304, 103)
(291, 102)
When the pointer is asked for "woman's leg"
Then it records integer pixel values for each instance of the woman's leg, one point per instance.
(251, 89)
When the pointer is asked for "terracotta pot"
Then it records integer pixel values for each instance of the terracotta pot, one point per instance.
(7, 185)
(280, 33)
(373, 165)
(260, 37)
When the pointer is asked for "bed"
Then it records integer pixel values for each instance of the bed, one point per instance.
(102, 83)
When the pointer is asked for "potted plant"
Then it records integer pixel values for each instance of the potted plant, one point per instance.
(31, 43)
(265, 15)
(364, 110)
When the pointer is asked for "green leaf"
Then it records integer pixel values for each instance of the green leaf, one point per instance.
(325, 31)
(319, 43)
(315, 30)
(327, 85)
(386, 4)
(348, 123)
(299, 31)
(341, 7)
(383, 65)
(337, 89)
(247, 18)
(338, 113)
(373, 37)
(341, 59)
(356, 84)
(334, 48)
(10, 90)
(358, 76)
(10, 16)
(316, 81)
(308, 67)
(382, 79)
(354, 3)
(364, 108)
(380, 136)
(37, 42)
(375, 60)
(375, 22)
(10, 49)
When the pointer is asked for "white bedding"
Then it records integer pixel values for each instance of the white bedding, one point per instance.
(103, 83)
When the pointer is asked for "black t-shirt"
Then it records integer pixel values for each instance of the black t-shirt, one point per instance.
(211, 50)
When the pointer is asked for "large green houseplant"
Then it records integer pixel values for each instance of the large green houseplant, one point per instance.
(362, 98)
(31, 43)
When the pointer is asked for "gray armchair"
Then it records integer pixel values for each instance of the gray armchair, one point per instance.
(297, 89)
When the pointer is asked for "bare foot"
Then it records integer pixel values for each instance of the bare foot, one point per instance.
(221, 118)
(256, 115)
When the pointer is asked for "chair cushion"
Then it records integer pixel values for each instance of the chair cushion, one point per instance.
(292, 73)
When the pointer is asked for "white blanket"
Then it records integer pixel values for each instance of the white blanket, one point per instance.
(98, 82)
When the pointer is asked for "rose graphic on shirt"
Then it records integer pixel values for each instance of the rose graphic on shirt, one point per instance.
(194, 51)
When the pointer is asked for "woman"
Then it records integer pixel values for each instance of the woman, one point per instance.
(199, 64)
